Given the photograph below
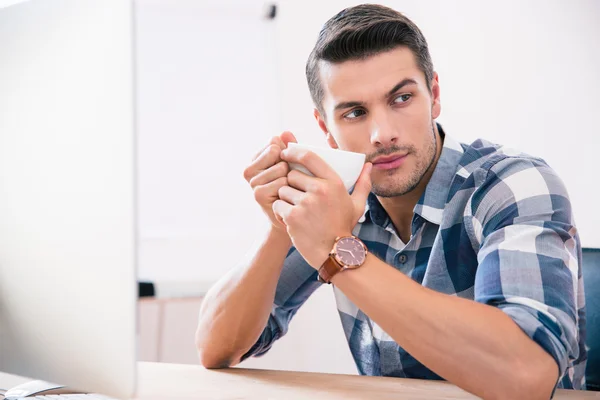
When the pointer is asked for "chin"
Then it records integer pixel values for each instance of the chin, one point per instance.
(394, 185)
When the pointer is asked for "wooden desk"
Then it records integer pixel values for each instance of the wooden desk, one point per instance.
(175, 381)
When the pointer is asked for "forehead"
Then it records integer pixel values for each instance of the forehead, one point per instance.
(358, 80)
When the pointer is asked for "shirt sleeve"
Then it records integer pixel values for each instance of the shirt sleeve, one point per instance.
(297, 282)
(520, 217)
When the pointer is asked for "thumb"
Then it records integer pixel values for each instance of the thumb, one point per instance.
(362, 188)
(288, 137)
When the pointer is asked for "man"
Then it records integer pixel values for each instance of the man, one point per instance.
(473, 267)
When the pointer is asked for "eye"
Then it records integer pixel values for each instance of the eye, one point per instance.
(354, 114)
(403, 98)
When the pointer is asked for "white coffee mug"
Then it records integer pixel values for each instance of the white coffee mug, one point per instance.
(346, 164)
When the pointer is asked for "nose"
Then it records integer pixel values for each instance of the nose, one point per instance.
(384, 132)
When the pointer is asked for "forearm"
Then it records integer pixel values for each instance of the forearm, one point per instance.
(236, 309)
(474, 346)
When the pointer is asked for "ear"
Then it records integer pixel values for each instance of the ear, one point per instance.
(321, 122)
(436, 107)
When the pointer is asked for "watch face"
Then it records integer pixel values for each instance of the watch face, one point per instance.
(350, 252)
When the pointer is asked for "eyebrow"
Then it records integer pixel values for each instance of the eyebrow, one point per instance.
(404, 82)
(351, 104)
(348, 104)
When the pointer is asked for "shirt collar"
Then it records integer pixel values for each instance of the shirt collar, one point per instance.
(433, 200)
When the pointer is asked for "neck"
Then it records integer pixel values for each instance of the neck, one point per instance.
(400, 208)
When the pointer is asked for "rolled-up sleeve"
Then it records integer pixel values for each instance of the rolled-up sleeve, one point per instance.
(520, 217)
(297, 282)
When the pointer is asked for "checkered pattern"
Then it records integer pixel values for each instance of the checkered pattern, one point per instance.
(494, 226)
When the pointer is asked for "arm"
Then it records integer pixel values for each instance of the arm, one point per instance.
(236, 309)
(452, 336)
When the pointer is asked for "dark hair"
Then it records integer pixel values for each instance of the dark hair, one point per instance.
(362, 31)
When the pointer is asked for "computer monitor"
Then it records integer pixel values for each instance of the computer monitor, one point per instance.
(68, 193)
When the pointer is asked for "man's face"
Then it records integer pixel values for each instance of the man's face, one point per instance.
(380, 106)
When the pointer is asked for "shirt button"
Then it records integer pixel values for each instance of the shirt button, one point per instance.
(402, 258)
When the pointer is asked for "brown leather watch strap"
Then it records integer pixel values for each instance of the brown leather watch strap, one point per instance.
(329, 268)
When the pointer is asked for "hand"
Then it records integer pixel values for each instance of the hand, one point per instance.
(267, 174)
(317, 209)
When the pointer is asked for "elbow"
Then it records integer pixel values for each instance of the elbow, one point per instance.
(541, 377)
(541, 384)
(212, 356)
(529, 391)
(211, 362)
(529, 383)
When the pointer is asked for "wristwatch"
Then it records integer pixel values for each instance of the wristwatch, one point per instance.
(348, 252)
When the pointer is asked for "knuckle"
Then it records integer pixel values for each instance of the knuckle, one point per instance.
(280, 170)
(307, 201)
(284, 167)
(281, 182)
(274, 150)
(320, 189)
(248, 174)
(259, 194)
(276, 140)
(253, 182)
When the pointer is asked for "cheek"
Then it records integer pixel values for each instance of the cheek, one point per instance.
(419, 123)
(352, 139)
(416, 117)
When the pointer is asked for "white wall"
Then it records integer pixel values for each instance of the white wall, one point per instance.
(6, 3)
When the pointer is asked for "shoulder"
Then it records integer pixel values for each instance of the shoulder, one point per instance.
(485, 165)
(482, 156)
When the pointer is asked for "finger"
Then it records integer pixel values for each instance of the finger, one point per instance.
(278, 170)
(291, 195)
(301, 181)
(362, 188)
(282, 210)
(310, 161)
(269, 192)
(277, 140)
(269, 157)
(288, 137)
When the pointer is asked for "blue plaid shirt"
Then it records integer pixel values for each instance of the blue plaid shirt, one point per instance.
(494, 226)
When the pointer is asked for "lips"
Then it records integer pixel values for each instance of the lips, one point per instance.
(389, 162)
